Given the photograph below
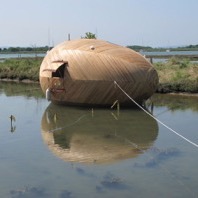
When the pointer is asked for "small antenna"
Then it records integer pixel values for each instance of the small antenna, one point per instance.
(49, 38)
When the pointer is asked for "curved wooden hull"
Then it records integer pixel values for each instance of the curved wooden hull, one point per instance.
(75, 74)
(97, 93)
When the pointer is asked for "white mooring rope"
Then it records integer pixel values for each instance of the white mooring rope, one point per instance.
(181, 136)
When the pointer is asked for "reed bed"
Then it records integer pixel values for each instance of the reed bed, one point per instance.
(177, 75)
(20, 69)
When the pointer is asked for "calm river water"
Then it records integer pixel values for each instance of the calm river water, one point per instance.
(59, 151)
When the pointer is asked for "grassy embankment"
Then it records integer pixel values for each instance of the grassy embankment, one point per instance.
(20, 69)
(176, 75)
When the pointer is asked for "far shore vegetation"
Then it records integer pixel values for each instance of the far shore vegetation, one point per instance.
(175, 75)
(88, 35)
(33, 49)
(163, 49)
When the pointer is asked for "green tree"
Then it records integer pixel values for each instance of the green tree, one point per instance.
(89, 35)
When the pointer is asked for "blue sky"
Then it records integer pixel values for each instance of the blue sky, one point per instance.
(154, 23)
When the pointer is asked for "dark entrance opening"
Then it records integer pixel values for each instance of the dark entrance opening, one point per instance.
(60, 71)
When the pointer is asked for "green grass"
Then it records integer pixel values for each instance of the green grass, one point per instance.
(20, 69)
(177, 75)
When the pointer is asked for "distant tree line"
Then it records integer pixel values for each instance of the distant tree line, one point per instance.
(89, 35)
(192, 46)
(139, 47)
(148, 48)
(189, 47)
(24, 49)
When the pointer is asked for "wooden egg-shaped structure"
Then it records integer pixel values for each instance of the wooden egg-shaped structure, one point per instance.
(84, 72)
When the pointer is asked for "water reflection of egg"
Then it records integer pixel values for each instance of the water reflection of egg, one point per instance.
(100, 136)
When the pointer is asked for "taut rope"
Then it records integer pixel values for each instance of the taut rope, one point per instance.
(181, 136)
